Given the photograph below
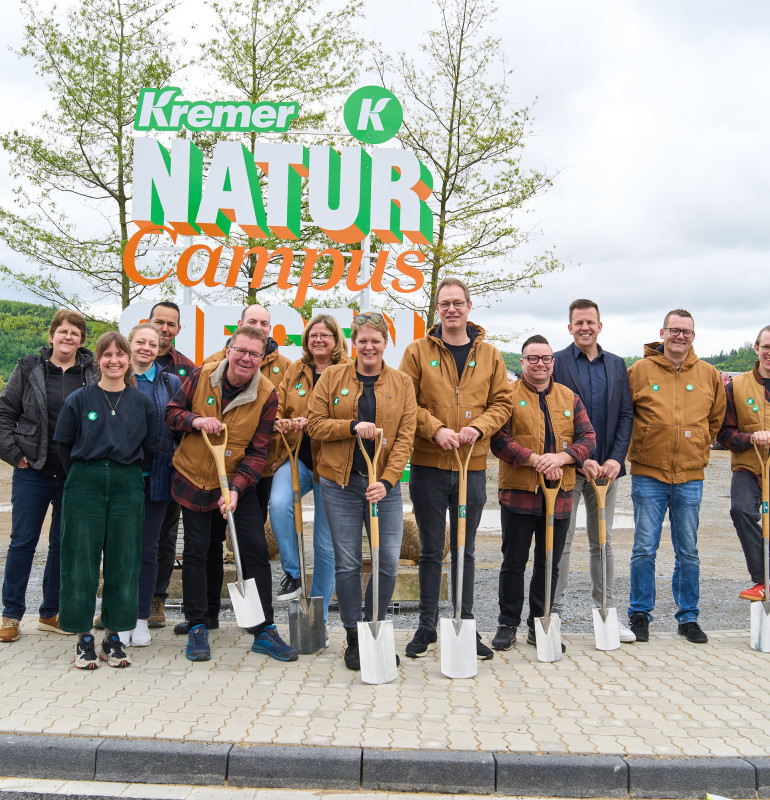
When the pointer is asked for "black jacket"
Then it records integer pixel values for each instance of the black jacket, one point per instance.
(24, 407)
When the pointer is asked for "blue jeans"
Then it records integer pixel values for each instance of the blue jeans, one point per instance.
(154, 514)
(349, 513)
(31, 494)
(651, 498)
(282, 520)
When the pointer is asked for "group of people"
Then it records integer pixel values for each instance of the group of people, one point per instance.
(112, 443)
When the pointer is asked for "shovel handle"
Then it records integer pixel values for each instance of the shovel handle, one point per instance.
(218, 453)
(764, 470)
(297, 499)
(462, 493)
(600, 490)
(371, 468)
(550, 504)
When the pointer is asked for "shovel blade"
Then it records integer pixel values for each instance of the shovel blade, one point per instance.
(307, 632)
(377, 651)
(458, 648)
(606, 631)
(548, 638)
(246, 603)
(760, 628)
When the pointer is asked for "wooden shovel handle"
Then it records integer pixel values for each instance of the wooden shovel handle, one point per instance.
(295, 488)
(462, 493)
(371, 468)
(218, 453)
(550, 504)
(600, 490)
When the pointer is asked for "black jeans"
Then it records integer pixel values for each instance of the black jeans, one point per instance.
(745, 498)
(202, 572)
(264, 485)
(433, 491)
(167, 549)
(517, 539)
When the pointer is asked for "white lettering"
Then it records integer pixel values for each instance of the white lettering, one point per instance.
(369, 114)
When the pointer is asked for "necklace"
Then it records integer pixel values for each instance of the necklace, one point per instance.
(113, 407)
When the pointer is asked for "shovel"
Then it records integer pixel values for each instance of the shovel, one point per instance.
(307, 632)
(458, 636)
(376, 641)
(760, 611)
(548, 628)
(606, 631)
(243, 594)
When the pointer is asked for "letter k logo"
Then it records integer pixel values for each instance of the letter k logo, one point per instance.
(373, 114)
(369, 114)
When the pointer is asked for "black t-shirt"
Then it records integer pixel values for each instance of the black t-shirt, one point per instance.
(87, 423)
(59, 384)
(367, 412)
(460, 353)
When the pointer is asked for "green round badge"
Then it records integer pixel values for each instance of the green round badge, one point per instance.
(750, 401)
(471, 363)
(567, 413)
(210, 400)
(655, 387)
(336, 401)
(182, 371)
(345, 392)
(301, 392)
(297, 385)
(276, 370)
(522, 402)
(373, 114)
(688, 387)
(92, 415)
(434, 363)
(755, 408)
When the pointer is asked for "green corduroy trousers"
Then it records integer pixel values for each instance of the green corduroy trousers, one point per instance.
(102, 515)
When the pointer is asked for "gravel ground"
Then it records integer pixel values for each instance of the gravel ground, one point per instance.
(723, 569)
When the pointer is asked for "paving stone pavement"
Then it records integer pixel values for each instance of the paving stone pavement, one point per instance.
(664, 698)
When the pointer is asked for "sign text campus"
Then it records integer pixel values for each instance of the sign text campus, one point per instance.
(350, 192)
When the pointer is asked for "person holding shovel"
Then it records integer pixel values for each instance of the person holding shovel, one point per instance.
(230, 391)
(549, 433)
(323, 346)
(747, 422)
(350, 401)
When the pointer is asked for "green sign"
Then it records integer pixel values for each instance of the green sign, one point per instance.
(373, 114)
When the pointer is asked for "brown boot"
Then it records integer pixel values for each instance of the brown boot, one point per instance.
(9, 630)
(51, 624)
(157, 618)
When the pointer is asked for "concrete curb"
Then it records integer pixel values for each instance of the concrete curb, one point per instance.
(353, 768)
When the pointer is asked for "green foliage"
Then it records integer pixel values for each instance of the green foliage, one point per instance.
(76, 163)
(459, 120)
(740, 360)
(512, 361)
(630, 360)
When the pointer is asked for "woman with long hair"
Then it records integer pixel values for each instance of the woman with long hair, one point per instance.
(105, 431)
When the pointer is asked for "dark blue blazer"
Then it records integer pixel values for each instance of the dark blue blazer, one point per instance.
(620, 410)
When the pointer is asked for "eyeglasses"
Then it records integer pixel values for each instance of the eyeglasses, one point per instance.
(360, 319)
(535, 359)
(445, 305)
(241, 352)
(324, 336)
(680, 332)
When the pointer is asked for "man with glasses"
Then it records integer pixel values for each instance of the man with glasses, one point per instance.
(463, 395)
(601, 380)
(548, 434)
(231, 391)
(679, 405)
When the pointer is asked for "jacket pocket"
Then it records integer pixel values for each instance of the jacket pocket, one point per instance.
(26, 436)
(693, 450)
(654, 445)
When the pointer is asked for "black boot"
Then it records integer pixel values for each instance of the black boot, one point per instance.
(352, 661)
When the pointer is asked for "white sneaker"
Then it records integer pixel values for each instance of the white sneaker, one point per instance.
(140, 635)
(125, 638)
(626, 634)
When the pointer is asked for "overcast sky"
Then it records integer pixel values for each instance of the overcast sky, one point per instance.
(655, 116)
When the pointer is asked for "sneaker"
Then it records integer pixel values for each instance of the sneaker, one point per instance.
(85, 653)
(625, 634)
(198, 644)
(757, 592)
(157, 618)
(112, 651)
(532, 639)
(290, 588)
(692, 632)
(504, 638)
(422, 641)
(640, 626)
(351, 656)
(140, 635)
(271, 644)
(51, 624)
(9, 630)
(326, 636)
(483, 653)
(183, 628)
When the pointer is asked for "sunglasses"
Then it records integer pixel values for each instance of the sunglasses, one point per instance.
(360, 319)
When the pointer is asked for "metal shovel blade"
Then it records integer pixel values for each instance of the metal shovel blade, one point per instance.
(307, 633)
(548, 638)
(246, 603)
(377, 651)
(606, 631)
(760, 626)
(458, 648)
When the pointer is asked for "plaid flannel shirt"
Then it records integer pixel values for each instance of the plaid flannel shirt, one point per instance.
(506, 448)
(180, 418)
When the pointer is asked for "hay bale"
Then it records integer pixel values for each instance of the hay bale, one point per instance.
(272, 545)
(410, 544)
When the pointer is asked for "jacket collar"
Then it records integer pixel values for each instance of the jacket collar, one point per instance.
(247, 395)
(475, 332)
(654, 351)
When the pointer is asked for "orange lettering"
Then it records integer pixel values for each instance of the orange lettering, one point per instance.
(410, 271)
(287, 259)
(209, 275)
(375, 281)
(129, 255)
(306, 278)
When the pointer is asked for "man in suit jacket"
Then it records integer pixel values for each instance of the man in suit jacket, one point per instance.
(601, 380)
